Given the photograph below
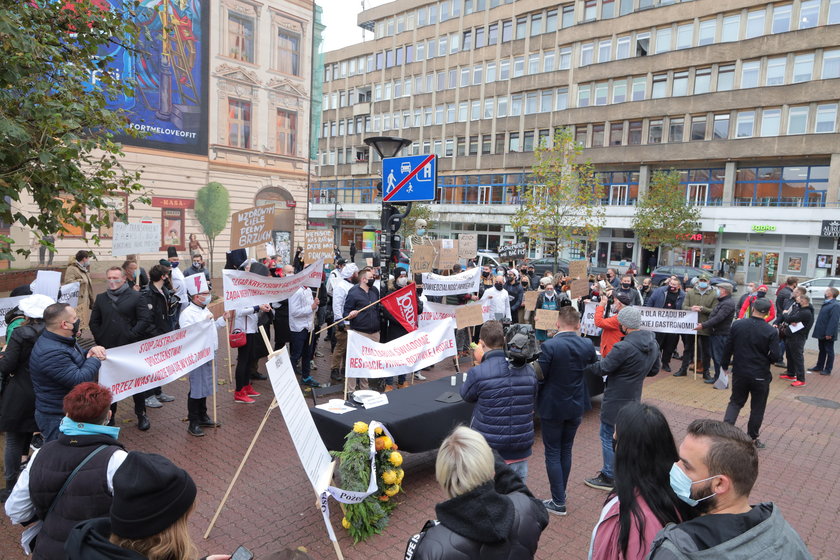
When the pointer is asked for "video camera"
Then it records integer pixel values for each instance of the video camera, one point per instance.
(520, 344)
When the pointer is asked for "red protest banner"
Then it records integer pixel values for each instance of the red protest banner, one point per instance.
(402, 305)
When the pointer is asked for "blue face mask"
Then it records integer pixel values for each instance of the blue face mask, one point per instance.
(174, 264)
(681, 485)
(702, 285)
(421, 231)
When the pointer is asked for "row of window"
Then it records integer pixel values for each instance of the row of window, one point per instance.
(241, 43)
(719, 28)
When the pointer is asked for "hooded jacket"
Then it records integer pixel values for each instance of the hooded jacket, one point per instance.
(771, 538)
(89, 541)
(626, 366)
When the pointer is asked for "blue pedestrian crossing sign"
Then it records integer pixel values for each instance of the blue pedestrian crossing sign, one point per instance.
(409, 179)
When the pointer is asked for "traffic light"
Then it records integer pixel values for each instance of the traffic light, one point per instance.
(396, 245)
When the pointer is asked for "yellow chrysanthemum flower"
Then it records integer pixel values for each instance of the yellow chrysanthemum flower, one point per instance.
(378, 431)
(396, 459)
(345, 523)
(400, 475)
(391, 490)
(360, 428)
(389, 477)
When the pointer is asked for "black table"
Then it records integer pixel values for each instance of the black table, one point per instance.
(416, 420)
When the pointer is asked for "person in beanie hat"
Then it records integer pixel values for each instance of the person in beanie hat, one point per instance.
(179, 283)
(153, 499)
(632, 359)
(201, 378)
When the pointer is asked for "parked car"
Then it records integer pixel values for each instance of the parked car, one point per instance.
(816, 288)
(486, 258)
(685, 273)
(547, 263)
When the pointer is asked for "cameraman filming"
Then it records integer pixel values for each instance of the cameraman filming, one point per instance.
(606, 318)
(505, 397)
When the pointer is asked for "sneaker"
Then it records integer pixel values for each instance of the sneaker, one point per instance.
(153, 402)
(309, 382)
(163, 397)
(600, 482)
(250, 391)
(554, 508)
(319, 354)
(758, 444)
(788, 377)
(798, 384)
(825, 372)
(37, 441)
(680, 373)
(815, 369)
(419, 376)
(241, 397)
(312, 365)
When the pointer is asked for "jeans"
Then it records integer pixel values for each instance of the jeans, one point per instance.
(520, 468)
(825, 361)
(48, 424)
(757, 390)
(558, 437)
(17, 445)
(300, 351)
(606, 433)
(718, 343)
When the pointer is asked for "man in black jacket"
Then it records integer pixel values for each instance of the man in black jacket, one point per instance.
(157, 299)
(752, 346)
(626, 366)
(363, 321)
(515, 295)
(718, 324)
(120, 316)
(801, 318)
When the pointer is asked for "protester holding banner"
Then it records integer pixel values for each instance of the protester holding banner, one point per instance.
(701, 298)
(349, 278)
(462, 336)
(282, 332)
(178, 283)
(362, 311)
(549, 299)
(41, 493)
(17, 404)
(248, 320)
(157, 299)
(498, 299)
(515, 295)
(670, 296)
(201, 378)
(302, 308)
(79, 271)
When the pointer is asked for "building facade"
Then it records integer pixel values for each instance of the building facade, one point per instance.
(256, 63)
(740, 97)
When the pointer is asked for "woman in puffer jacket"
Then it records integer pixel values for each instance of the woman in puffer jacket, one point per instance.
(490, 514)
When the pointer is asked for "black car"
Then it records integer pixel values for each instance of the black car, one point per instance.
(685, 273)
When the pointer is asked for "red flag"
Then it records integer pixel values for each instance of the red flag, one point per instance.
(402, 305)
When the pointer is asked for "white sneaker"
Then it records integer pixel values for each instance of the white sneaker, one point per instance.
(163, 397)
(312, 365)
(153, 402)
(419, 376)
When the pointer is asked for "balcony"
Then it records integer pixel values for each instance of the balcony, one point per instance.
(360, 109)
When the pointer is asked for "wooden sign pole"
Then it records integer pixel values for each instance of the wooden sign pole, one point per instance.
(230, 365)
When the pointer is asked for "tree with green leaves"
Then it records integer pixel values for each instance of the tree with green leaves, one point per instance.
(663, 217)
(58, 152)
(212, 210)
(562, 201)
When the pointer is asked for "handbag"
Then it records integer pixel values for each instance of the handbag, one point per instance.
(237, 338)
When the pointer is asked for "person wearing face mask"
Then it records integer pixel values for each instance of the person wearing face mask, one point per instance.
(716, 472)
(363, 321)
(718, 324)
(625, 368)
(487, 280)
(550, 299)
(516, 295)
(89, 493)
(747, 306)
(669, 296)
(121, 316)
(749, 290)
(612, 277)
(498, 299)
(606, 319)
(57, 364)
(179, 286)
(801, 317)
(702, 298)
(201, 378)
(646, 290)
(79, 271)
(628, 288)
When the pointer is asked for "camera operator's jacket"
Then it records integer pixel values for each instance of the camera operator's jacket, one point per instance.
(505, 398)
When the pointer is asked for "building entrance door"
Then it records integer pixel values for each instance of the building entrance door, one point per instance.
(763, 267)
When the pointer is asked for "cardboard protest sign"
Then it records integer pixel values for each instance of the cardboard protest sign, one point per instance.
(512, 252)
(587, 321)
(6, 305)
(579, 288)
(467, 245)
(531, 300)
(468, 315)
(70, 294)
(439, 311)
(409, 353)
(47, 282)
(546, 319)
(447, 253)
(578, 269)
(422, 259)
(319, 245)
(654, 319)
(462, 283)
(251, 226)
(150, 363)
(133, 239)
(245, 289)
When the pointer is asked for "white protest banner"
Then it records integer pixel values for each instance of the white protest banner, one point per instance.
(245, 289)
(150, 363)
(132, 239)
(70, 294)
(6, 305)
(462, 283)
(409, 353)
(251, 226)
(47, 282)
(654, 319)
(433, 312)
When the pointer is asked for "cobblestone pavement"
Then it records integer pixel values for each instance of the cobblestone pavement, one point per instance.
(272, 505)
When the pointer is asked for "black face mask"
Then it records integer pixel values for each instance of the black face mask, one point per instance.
(760, 294)
(625, 286)
(76, 325)
(371, 282)
(499, 286)
(525, 284)
(485, 273)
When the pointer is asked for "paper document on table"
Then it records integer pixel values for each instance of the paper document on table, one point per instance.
(796, 327)
(337, 407)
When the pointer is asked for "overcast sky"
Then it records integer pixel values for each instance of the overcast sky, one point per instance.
(340, 17)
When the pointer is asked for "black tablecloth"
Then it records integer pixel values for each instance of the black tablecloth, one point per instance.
(416, 420)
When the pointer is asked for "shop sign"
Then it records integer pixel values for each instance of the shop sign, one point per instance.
(761, 228)
(830, 228)
(181, 203)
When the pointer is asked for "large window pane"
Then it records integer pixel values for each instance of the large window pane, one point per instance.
(826, 118)
(663, 40)
(797, 120)
(698, 128)
(770, 122)
(680, 85)
(744, 124)
(731, 27)
(655, 132)
(675, 130)
(706, 35)
(781, 18)
(809, 13)
(702, 80)
(755, 24)
(749, 74)
(831, 64)
(726, 77)
(721, 131)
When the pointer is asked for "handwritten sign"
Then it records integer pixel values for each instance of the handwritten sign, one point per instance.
(512, 252)
(422, 259)
(134, 239)
(531, 300)
(469, 316)
(447, 256)
(319, 245)
(579, 288)
(251, 226)
(546, 319)
(467, 245)
(577, 269)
